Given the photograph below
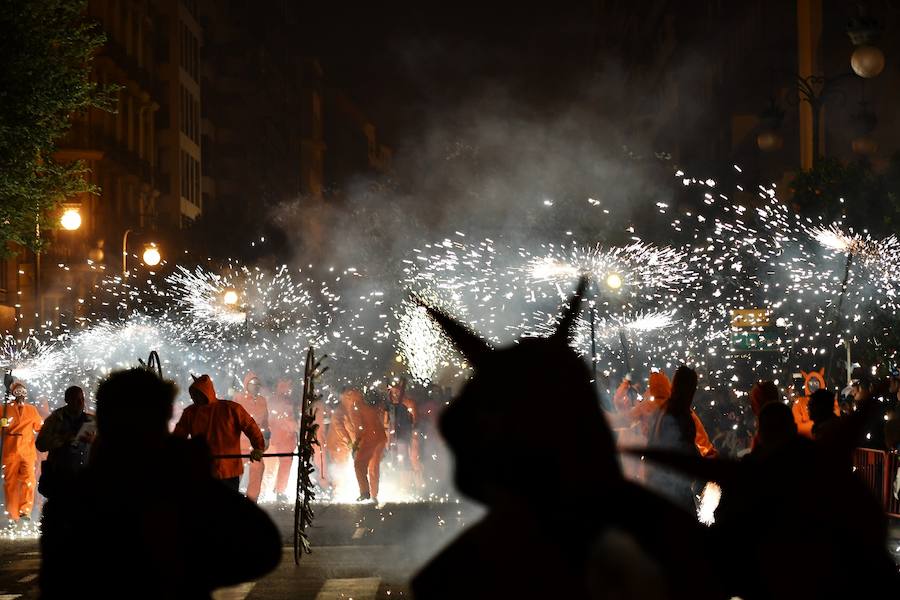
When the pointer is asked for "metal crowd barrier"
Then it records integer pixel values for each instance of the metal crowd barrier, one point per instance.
(879, 471)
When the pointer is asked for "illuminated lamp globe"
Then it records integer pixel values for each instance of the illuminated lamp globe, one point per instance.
(151, 256)
(614, 281)
(70, 219)
(769, 141)
(230, 298)
(864, 146)
(867, 61)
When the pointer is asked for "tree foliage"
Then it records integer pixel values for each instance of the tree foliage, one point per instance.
(863, 198)
(47, 47)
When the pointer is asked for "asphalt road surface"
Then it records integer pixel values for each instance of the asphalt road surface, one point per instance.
(359, 551)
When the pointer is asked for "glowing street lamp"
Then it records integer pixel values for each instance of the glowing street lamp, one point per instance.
(70, 219)
(151, 256)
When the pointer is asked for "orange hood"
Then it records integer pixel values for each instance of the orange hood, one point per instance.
(204, 385)
(659, 388)
(250, 375)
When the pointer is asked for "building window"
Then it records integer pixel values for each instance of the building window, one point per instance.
(190, 178)
(189, 117)
(190, 52)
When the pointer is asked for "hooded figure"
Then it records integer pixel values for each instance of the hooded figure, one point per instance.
(812, 381)
(255, 404)
(561, 520)
(659, 389)
(363, 426)
(20, 425)
(220, 424)
(284, 428)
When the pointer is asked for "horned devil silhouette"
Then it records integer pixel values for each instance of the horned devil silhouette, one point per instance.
(531, 443)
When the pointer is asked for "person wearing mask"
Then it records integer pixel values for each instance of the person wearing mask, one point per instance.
(401, 423)
(220, 424)
(20, 423)
(258, 408)
(66, 436)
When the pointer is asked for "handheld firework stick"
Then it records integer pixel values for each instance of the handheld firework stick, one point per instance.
(303, 513)
(8, 381)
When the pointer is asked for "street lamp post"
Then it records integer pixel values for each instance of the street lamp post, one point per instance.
(150, 257)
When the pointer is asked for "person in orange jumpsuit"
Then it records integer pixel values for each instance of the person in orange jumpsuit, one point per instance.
(284, 437)
(20, 423)
(336, 449)
(365, 435)
(220, 424)
(255, 404)
(812, 381)
(401, 421)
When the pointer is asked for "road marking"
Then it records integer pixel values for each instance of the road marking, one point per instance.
(364, 588)
(10, 596)
(28, 578)
(360, 531)
(238, 592)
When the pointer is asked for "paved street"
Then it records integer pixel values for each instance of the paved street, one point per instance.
(360, 551)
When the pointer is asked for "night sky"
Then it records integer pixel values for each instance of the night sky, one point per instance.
(402, 61)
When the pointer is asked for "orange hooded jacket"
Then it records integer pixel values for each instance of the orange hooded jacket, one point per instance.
(220, 423)
(659, 389)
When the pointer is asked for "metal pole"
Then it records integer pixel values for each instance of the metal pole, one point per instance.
(838, 315)
(125, 253)
(593, 344)
(624, 350)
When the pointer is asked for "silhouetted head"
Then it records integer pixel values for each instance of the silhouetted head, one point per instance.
(684, 386)
(74, 399)
(821, 405)
(761, 394)
(776, 426)
(133, 409)
(503, 427)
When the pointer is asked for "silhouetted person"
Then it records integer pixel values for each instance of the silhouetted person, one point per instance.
(821, 411)
(146, 513)
(672, 427)
(797, 523)
(67, 435)
(562, 522)
(777, 429)
(762, 394)
(872, 435)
